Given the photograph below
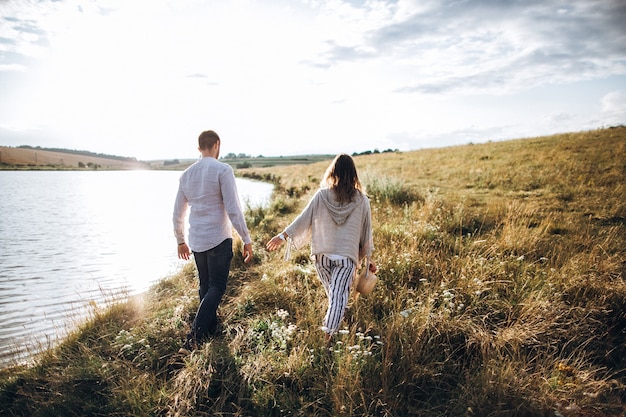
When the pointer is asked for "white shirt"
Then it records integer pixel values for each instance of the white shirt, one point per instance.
(209, 189)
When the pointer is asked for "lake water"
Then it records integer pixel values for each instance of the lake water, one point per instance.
(70, 239)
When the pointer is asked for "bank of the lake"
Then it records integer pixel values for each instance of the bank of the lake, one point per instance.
(73, 240)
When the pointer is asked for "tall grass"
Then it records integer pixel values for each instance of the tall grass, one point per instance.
(501, 292)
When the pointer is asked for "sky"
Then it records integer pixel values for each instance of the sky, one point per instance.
(143, 78)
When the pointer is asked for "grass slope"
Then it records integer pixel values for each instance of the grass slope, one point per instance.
(501, 293)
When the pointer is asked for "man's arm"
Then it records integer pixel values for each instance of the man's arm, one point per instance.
(234, 211)
(178, 218)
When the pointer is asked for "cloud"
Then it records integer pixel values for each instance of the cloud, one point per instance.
(7, 43)
(491, 46)
(13, 136)
(379, 74)
(22, 38)
(614, 107)
(409, 140)
(337, 53)
(12, 68)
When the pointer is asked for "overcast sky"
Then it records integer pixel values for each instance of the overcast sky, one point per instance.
(287, 77)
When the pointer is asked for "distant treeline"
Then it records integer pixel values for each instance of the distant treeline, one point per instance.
(374, 152)
(77, 152)
(307, 158)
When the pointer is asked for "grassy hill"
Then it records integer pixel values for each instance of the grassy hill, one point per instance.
(501, 293)
(31, 158)
(26, 157)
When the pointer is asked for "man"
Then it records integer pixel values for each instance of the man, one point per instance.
(208, 188)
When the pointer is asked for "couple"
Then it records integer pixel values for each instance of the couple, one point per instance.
(337, 221)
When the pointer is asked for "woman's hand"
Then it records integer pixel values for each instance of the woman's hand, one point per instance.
(372, 267)
(275, 242)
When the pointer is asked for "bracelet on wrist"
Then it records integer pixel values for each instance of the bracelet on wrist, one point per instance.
(281, 236)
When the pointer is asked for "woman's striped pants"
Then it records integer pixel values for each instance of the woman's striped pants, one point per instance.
(336, 273)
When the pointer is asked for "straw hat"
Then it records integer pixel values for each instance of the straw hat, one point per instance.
(366, 282)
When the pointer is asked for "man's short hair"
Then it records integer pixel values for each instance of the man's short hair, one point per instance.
(207, 139)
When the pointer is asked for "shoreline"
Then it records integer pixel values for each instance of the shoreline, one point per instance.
(85, 210)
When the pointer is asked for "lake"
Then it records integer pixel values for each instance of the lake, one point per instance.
(69, 239)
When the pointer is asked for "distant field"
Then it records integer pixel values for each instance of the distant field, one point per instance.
(243, 163)
(37, 158)
(270, 161)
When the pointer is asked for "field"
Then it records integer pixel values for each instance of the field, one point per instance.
(30, 158)
(38, 158)
(501, 293)
(244, 162)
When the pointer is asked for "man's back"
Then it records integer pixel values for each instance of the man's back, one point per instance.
(209, 188)
(201, 185)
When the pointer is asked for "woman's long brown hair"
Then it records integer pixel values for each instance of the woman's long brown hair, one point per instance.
(342, 178)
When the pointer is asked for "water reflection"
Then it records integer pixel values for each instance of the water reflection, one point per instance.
(69, 239)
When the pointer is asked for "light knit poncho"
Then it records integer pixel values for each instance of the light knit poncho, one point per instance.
(334, 228)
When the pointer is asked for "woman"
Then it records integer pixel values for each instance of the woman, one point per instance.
(338, 223)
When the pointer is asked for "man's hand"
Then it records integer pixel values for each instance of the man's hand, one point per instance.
(247, 252)
(183, 251)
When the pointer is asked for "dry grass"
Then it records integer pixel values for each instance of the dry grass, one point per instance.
(501, 293)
